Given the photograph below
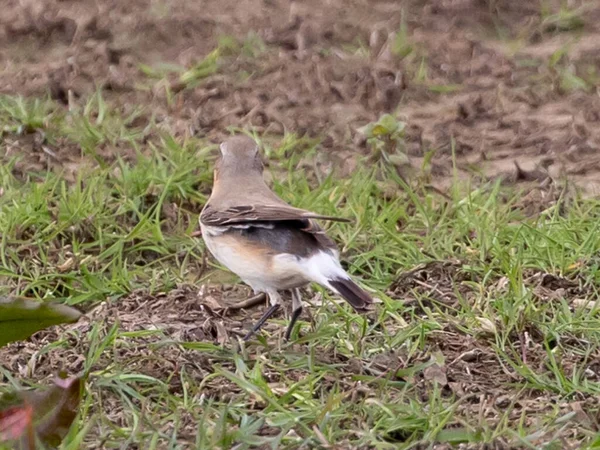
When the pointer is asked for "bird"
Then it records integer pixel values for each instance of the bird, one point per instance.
(270, 245)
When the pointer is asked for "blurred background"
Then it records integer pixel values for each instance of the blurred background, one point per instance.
(492, 81)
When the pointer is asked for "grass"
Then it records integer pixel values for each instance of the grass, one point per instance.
(486, 333)
(228, 50)
(477, 347)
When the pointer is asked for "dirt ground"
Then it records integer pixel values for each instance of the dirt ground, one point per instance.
(503, 81)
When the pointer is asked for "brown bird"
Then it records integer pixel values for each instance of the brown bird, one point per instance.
(269, 244)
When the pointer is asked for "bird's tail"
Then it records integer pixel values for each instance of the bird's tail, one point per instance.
(358, 298)
(324, 268)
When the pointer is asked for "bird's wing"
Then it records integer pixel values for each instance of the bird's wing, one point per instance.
(257, 214)
(278, 219)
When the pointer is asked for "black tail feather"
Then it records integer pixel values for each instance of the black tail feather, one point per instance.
(358, 298)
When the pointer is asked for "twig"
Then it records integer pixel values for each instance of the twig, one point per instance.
(321, 437)
(248, 303)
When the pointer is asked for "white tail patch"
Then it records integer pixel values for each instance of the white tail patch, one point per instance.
(323, 266)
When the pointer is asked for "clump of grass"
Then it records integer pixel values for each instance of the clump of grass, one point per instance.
(102, 232)
(227, 49)
(402, 46)
(385, 136)
(566, 19)
(20, 115)
(564, 74)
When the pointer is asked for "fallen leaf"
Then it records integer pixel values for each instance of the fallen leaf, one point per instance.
(582, 417)
(55, 408)
(585, 303)
(15, 422)
(211, 302)
(437, 374)
(222, 335)
(487, 325)
(22, 317)
(67, 265)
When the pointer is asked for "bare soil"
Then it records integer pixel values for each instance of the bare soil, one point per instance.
(478, 79)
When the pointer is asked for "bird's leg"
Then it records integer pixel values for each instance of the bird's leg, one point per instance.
(296, 311)
(275, 304)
